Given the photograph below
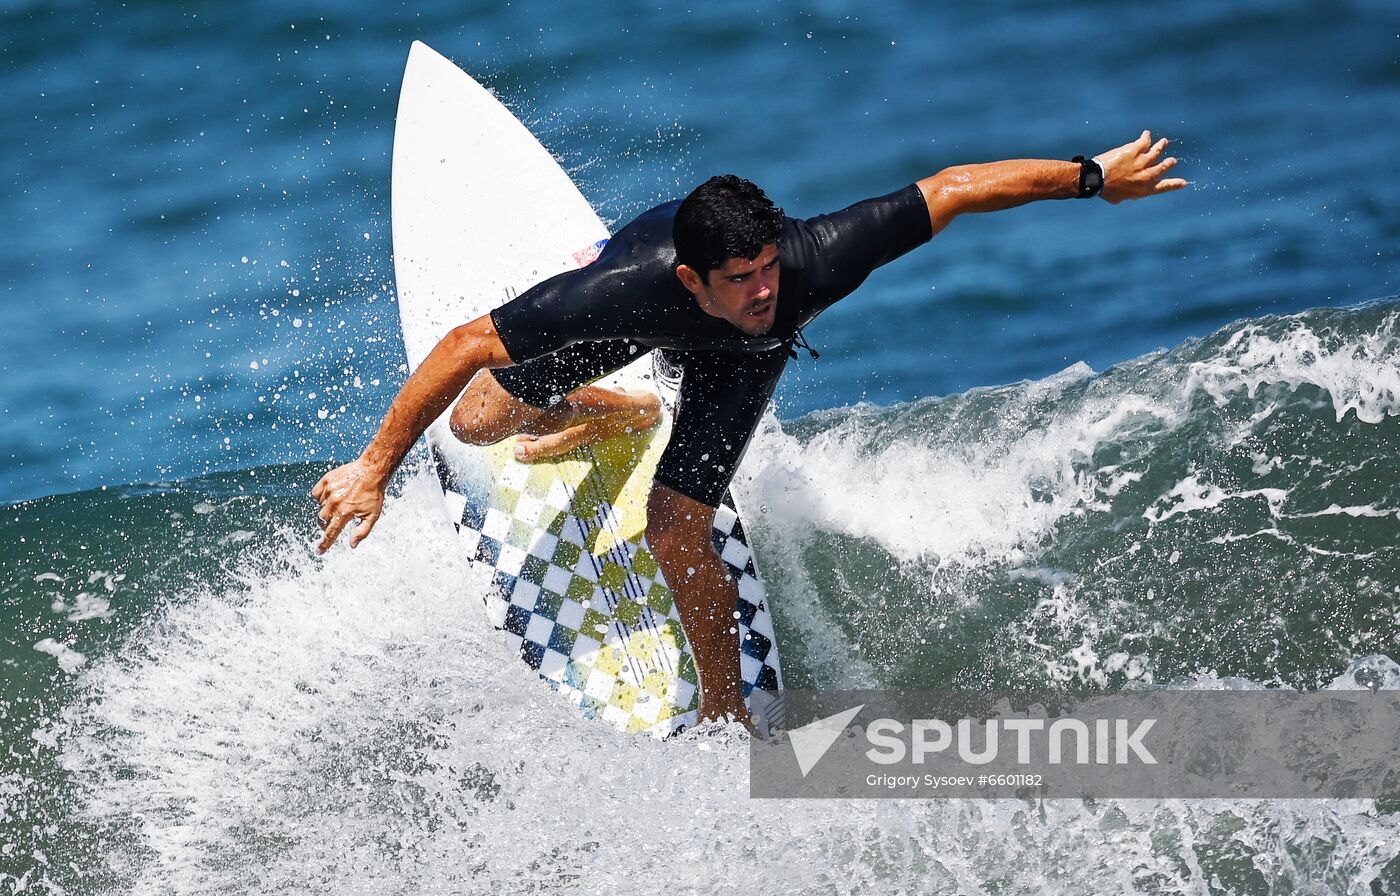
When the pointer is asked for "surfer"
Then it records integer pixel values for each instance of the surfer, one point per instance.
(697, 280)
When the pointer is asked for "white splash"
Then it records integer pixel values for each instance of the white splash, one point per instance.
(927, 497)
(352, 722)
(1360, 373)
(69, 660)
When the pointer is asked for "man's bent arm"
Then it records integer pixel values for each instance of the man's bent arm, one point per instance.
(355, 491)
(1131, 171)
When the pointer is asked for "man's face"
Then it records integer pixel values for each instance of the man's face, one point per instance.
(744, 291)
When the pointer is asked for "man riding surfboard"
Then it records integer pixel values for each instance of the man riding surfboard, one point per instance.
(699, 281)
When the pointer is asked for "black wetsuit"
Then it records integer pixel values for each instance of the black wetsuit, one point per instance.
(583, 324)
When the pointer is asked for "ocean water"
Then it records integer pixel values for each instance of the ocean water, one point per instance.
(1070, 444)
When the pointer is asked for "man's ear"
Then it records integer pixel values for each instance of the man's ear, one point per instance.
(690, 279)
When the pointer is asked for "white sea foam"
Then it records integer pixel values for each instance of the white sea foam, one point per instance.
(69, 660)
(84, 606)
(1191, 495)
(1361, 510)
(926, 496)
(1360, 373)
(915, 501)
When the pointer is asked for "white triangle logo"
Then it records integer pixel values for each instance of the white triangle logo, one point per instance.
(811, 741)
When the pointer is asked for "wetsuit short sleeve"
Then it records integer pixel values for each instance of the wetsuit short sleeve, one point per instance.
(531, 324)
(630, 292)
(839, 250)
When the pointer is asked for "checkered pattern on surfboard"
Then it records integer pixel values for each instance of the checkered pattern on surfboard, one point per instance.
(587, 608)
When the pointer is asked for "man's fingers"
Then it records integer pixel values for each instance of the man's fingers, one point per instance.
(533, 448)
(332, 533)
(363, 530)
(1144, 140)
(1155, 152)
(1166, 165)
(1171, 183)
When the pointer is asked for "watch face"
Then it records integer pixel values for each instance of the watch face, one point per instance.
(1090, 179)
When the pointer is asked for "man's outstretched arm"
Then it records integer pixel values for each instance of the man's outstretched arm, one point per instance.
(1131, 171)
(355, 491)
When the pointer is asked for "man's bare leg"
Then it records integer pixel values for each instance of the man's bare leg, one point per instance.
(487, 413)
(678, 531)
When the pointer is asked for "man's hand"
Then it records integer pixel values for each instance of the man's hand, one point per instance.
(1137, 169)
(349, 492)
(356, 490)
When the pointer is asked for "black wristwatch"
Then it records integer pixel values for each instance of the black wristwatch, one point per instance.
(1090, 177)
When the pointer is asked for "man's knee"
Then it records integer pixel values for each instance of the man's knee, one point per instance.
(486, 413)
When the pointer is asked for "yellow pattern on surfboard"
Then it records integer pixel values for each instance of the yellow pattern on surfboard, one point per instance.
(571, 539)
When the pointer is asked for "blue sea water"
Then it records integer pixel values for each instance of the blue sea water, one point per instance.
(1070, 443)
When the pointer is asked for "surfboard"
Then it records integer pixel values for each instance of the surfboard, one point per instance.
(481, 212)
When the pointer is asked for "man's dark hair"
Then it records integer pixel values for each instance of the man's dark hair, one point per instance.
(725, 217)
